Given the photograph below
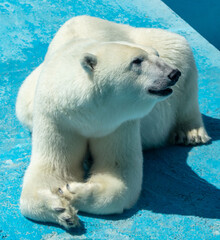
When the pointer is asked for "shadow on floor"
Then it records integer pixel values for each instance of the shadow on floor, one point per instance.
(170, 186)
(76, 231)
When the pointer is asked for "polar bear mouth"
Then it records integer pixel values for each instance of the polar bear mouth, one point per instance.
(164, 92)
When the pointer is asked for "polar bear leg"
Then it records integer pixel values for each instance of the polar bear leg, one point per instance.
(57, 158)
(189, 129)
(116, 175)
(42, 201)
(190, 134)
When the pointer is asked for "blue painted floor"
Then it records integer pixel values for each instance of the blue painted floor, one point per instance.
(181, 196)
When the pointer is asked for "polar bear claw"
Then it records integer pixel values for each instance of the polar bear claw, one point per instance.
(190, 137)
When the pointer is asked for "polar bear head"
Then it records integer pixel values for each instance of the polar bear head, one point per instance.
(116, 82)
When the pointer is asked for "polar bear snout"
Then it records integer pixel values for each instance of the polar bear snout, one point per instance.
(174, 76)
(162, 87)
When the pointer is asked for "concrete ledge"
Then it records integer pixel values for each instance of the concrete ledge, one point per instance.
(180, 198)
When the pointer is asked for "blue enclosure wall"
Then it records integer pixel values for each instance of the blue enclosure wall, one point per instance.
(203, 15)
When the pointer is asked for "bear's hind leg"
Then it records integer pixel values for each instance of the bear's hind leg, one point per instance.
(25, 98)
(189, 129)
(190, 137)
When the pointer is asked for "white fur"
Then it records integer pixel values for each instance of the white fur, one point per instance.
(102, 105)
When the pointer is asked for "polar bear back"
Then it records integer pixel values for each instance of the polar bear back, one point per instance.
(86, 27)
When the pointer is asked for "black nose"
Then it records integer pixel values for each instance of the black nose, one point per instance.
(174, 75)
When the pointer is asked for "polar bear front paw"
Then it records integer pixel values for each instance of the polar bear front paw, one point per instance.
(190, 137)
(67, 217)
(77, 191)
(65, 213)
(83, 196)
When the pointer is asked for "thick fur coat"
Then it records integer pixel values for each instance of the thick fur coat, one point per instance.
(110, 90)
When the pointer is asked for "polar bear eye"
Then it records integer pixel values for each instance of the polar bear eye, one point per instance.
(138, 60)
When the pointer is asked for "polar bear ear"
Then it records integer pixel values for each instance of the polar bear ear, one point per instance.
(88, 62)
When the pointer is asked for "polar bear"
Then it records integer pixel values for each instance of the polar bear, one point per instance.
(110, 90)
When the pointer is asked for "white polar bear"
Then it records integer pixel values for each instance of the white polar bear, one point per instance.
(103, 88)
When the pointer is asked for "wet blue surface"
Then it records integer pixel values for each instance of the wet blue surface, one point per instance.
(180, 197)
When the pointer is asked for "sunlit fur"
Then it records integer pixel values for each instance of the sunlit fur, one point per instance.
(88, 96)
